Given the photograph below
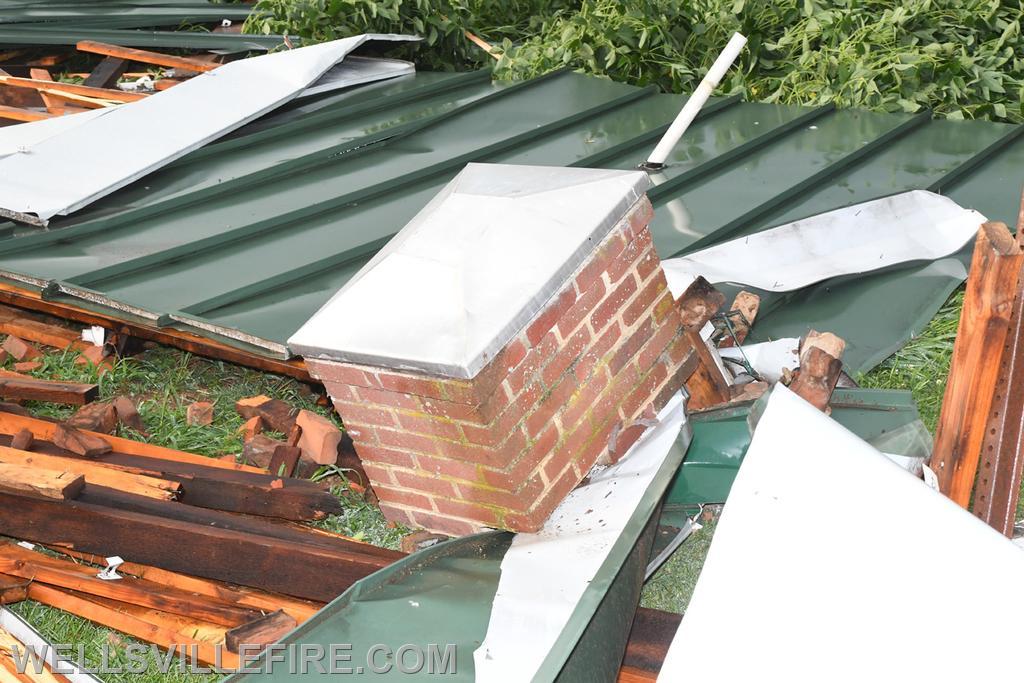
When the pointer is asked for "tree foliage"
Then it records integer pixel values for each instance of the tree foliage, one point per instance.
(961, 58)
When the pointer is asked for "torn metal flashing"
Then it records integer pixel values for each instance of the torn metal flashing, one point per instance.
(78, 165)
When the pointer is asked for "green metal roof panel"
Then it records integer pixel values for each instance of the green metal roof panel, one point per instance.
(245, 239)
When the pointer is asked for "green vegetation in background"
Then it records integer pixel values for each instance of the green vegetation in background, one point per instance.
(963, 59)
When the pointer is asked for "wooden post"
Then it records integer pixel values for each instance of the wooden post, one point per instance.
(974, 370)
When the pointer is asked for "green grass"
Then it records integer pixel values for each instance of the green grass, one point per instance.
(164, 382)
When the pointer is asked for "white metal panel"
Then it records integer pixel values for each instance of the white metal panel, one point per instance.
(831, 563)
(910, 226)
(77, 166)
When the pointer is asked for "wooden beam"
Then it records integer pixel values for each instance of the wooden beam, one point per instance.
(20, 323)
(300, 610)
(260, 633)
(34, 566)
(18, 114)
(53, 105)
(105, 615)
(106, 73)
(187, 341)
(118, 478)
(974, 369)
(817, 377)
(707, 386)
(12, 589)
(58, 485)
(71, 89)
(145, 56)
(745, 305)
(649, 640)
(699, 303)
(297, 569)
(45, 431)
(51, 391)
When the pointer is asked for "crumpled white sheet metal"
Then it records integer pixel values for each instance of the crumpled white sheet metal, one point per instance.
(830, 563)
(78, 165)
(910, 226)
(544, 575)
(471, 268)
(352, 71)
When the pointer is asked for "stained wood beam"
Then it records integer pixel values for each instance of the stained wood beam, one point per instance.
(974, 369)
(55, 484)
(54, 87)
(145, 56)
(19, 114)
(287, 567)
(126, 480)
(31, 389)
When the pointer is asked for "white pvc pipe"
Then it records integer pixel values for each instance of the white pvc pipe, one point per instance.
(693, 105)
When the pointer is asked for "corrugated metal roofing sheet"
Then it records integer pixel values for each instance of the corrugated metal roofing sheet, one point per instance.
(246, 238)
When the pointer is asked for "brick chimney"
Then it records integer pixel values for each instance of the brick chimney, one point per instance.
(515, 333)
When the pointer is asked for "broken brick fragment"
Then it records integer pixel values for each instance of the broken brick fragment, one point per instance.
(199, 413)
(95, 417)
(19, 349)
(319, 438)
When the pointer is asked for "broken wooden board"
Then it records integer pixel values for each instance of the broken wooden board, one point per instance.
(12, 589)
(145, 56)
(59, 573)
(73, 91)
(699, 303)
(974, 369)
(122, 620)
(53, 484)
(19, 114)
(20, 323)
(44, 431)
(298, 569)
(300, 610)
(257, 635)
(126, 480)
(31, 389)
(817, 377)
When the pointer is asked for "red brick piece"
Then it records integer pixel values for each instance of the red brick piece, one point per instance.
(19, 349)
(199, 413)
(319, 438)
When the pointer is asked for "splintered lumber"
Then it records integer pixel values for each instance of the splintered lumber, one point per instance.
(699, 303)
(260, 633)
(19, 114)
(997, 490)
(120, 479)
(53, 105)
(284, 460)
(706, 386)
(14, 321)
(38, 568)
(96, 611)
(300, 610)
(31, 389)
(55, 484)
(44, 431)
(73, 91)
(298, 569)
(12, 589)
(145, 56)
(86, 444)
(974, 370)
